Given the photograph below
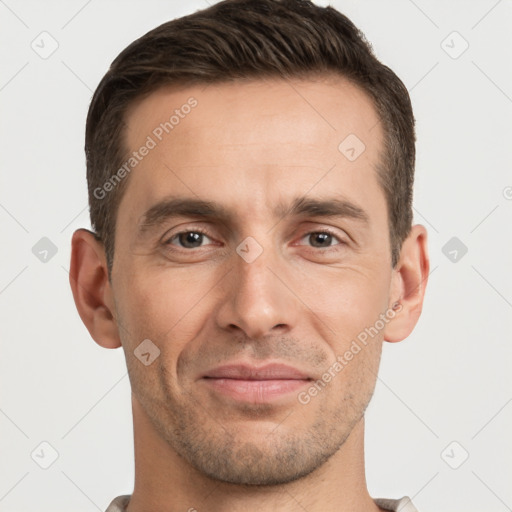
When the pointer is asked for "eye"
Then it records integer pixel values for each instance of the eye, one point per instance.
(322, 239)
(188, 239)
(197, 238)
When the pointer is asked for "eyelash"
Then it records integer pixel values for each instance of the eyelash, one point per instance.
(315, 232)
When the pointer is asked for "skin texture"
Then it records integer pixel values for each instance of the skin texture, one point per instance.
(249, 146)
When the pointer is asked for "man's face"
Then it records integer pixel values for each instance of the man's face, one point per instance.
(207, 297)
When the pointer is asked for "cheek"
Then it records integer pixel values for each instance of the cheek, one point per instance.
(356, 346)
(151, 309)
(143, 300)
(351, 301)
(163, 307)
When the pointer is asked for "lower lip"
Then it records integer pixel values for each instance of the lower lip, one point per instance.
(255, 391)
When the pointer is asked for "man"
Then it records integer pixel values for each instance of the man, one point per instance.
(250, 171)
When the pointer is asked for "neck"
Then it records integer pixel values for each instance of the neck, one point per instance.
(165, 481)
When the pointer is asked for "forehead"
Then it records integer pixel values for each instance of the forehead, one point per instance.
(253, 138)
(324, 106)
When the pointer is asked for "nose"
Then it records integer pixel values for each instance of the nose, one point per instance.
(257, 299)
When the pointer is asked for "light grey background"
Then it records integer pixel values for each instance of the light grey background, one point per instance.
(450, 381)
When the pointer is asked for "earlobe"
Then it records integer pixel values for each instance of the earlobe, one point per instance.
(408, 285)
(91, 288)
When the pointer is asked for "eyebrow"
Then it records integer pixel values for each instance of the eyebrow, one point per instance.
(173, 207)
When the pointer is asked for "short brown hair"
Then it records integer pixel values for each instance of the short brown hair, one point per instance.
(248, 39)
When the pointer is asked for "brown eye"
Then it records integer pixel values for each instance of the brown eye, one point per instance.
(322, 239)
(188, 239)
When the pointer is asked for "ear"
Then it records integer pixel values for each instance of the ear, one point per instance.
(92, 289)
(408, 285)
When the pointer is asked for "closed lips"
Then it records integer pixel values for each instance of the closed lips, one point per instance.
(247, 372)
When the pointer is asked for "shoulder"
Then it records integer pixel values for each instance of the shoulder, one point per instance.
(403, 504)
(119, 504)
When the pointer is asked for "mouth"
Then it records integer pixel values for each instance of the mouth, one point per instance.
(255, 384)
